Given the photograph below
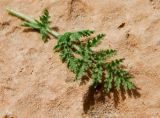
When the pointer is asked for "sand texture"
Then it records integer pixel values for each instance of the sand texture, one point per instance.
(34, 83)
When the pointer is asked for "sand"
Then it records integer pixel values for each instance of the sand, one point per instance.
(34, 83)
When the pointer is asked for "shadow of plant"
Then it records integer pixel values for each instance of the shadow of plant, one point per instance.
(92, 96)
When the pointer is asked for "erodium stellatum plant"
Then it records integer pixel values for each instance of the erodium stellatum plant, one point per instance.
(76, 51)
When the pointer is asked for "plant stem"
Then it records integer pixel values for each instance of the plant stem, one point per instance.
(53, 33)
(29, 19)
(20, 15)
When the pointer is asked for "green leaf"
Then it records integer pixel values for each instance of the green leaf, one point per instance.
(97, 73)
(42, 25)
(82, 71)
(102, 55)
(95, 41)
(80, 57)
(108, 82)
(77, 35)
(130, 85)
(118, 83)
(85, 33)
(45, 18)
(82, 60)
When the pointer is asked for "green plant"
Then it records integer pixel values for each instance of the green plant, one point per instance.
(76, 50)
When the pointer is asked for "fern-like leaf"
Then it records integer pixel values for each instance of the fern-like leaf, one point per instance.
(42, 25)
(81, 59)
(95, 41)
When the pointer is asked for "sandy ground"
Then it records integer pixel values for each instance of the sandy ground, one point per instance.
(34, 83)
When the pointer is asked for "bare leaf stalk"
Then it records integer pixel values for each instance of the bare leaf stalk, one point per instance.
(29, 19)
